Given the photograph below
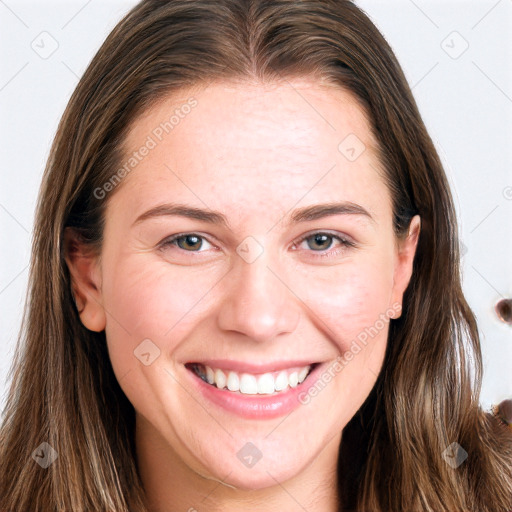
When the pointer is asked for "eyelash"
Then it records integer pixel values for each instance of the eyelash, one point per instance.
(327, 253)
(345, 243)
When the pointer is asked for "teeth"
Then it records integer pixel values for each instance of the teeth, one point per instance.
(210, 375)
(233, 381)
(302, 374)
(220, 379)
(281, 381)
(248, 384)
(265, 384)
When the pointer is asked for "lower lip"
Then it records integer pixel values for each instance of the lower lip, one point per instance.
(256, 406)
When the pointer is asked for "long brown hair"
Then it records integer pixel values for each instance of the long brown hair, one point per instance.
(64, 391)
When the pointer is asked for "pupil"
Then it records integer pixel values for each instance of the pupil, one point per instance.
(318, 238)
(191, 240)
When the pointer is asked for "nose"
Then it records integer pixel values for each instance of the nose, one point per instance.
(258, 302)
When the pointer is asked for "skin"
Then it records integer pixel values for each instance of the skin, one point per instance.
(255, 153)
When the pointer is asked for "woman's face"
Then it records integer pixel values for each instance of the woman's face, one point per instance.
(251, 288)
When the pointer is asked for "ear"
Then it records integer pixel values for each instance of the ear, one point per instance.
(84, 270)
(406, 249)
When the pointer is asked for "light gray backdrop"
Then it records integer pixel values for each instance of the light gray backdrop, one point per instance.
(456, 56)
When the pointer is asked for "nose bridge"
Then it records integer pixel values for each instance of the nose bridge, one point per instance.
(257, 302)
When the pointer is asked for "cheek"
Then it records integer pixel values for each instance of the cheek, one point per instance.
(349, 298)
(150, 301)
(348, 304)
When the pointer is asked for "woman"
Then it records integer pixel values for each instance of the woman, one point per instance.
(264, 372)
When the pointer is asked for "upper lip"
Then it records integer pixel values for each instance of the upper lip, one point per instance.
(242, 366)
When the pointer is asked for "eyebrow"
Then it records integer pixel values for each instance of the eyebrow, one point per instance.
(305, 214)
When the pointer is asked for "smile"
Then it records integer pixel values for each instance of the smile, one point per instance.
(245, 383)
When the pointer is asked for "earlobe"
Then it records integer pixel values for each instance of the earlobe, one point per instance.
(85, 278)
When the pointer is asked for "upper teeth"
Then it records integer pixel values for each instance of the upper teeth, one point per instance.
(249, 384)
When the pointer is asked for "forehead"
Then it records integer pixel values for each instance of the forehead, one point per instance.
(254, 143)
(292, 113)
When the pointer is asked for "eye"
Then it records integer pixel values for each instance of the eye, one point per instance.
(322, 241)
(319, 242)
(189, 242)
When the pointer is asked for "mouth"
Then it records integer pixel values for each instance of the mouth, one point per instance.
(243, 383)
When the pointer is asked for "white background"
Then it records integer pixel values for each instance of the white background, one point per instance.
(464, 95)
